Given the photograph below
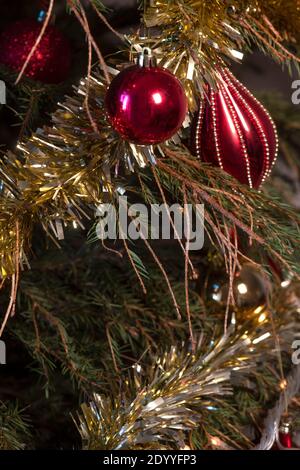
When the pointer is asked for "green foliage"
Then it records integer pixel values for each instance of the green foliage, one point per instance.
(14, 427)
(84, 321)
(30, 102)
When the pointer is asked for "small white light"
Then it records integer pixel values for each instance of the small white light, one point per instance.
(262, 318)
(259, 309)
(217, 297)
(242, 288)
(215, 441)
(283, 384)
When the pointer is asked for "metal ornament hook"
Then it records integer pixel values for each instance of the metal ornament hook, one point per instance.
(146, 58)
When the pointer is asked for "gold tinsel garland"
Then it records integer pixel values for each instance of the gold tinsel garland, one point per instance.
(60, 174)
(161, 403)
(195, 37)
(283, 14)
(210, 16)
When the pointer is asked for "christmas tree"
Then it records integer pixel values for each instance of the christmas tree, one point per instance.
(149, 228)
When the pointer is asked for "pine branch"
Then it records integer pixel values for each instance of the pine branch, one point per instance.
(14, 428)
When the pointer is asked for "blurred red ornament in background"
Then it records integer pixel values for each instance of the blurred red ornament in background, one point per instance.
(146, 105)
(286, 440)
(51, 60)
(285, 434)
(235, 132)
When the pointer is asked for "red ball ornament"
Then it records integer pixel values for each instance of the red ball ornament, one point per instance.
(146, 104)
(235, 132)
(51, 60)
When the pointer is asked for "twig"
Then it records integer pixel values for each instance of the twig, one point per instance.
(39, 38)
(10, 305)
(134, 267)
(186, 271)
(106, 22)
(169, 215)
(14, 283)
(112, 349)
(84, 23)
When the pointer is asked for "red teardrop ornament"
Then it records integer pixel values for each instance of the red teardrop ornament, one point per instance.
(235, 132)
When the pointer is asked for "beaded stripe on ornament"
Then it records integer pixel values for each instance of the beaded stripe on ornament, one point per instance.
(215, 127)
(224, 92)
(199, 127)
(260, 130)
(230, 79)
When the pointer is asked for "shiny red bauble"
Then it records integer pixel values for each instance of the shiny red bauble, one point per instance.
(51, 60)
(146, 105)
(235, 132)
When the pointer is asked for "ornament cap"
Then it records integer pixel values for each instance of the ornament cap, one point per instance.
(146, 58)
(285, 427)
